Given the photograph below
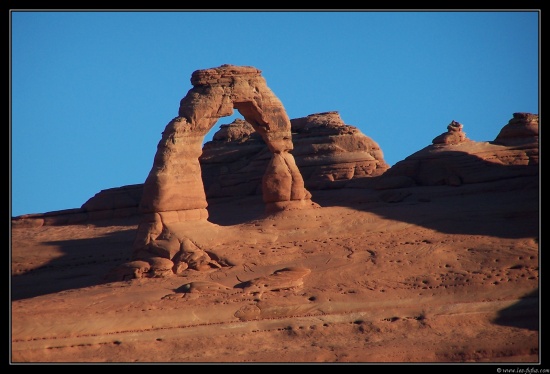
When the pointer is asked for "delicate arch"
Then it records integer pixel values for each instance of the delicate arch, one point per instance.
(174, 190)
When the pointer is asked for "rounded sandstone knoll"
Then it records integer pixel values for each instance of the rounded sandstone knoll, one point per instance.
(238, 131)
(521, 130)
(454, 160)
(327, 152)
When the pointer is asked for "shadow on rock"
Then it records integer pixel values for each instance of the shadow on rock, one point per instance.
(83, 263)
(524, 314)
(454, 193)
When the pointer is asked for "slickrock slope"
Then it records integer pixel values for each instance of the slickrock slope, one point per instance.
(449, 274)
(434, 260)
(429, 273)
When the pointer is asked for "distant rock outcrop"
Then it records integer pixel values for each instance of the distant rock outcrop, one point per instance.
(454, 135)
(326, 150)
(521, 131)
(455, 160)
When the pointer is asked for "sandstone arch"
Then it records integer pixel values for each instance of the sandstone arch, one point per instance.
(174, 191)
(175, 183)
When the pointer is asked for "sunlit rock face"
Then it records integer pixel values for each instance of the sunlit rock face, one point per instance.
(174, 191)
(175, 182)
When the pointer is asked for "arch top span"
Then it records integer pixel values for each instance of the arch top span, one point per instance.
(218, 91)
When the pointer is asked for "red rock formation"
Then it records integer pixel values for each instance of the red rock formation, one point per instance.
(326, 150)
(173, 191)
(454, 135)
(521, 130)
(175, 182)
(233, 162)
(454, 160)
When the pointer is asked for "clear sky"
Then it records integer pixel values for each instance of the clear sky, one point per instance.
(92, 91)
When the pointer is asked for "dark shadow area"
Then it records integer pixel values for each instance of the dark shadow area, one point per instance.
(81, 263)
(234, 211)
(131, 221)
(451, 192)
(458, 194)
(232, 173)
(80, 216)
(524, 314)
(186, 288)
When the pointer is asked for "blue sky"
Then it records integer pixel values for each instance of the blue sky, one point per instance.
(92, 91)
